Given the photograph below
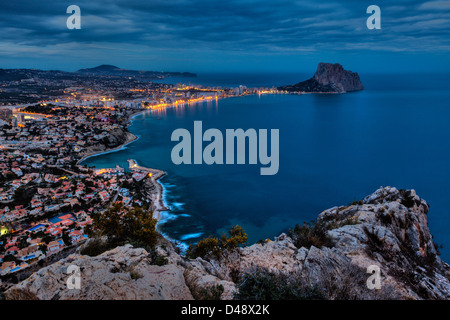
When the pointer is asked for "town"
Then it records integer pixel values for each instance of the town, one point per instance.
(47, 198)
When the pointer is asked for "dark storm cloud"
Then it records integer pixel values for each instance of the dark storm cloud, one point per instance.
(240, 25)
(34, 28)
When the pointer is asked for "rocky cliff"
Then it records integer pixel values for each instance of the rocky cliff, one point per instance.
(329, 78)
(116, 139)
(387, 229)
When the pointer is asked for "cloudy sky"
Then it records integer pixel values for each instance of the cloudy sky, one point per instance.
(231, 35)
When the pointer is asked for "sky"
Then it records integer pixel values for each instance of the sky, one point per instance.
(226, 36)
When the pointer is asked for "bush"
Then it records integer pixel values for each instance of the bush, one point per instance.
(214, 248)
(158, 259)
(311, 234)
(236, 237)
(20, 294)
(135, 275)
(208, 247)
(95, 246)
(213, 292)
(264, 285)
(121, 225)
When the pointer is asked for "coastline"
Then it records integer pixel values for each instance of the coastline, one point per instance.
(155, 190)
(154, 187)
(130, 138)
(157, 196)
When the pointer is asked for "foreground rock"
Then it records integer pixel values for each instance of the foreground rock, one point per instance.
(123, 273)
(329, 78)
(387, 229)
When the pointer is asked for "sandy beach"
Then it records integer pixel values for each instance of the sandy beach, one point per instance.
(154, 189)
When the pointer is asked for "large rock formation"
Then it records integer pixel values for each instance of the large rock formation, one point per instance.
(387, 229)
(329, 78)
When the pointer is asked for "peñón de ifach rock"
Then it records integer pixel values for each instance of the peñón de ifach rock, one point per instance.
(329, 78)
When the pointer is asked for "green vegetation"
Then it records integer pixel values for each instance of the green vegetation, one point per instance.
(158, 259)
(215, 247)
(95, 246)
(43, 248)
(213, 292)
(311, 234)
(120, 225)
(11, 257)
(264, 285)
(23, 195)
(20, 294)
(135, 275)
(66, 238)
(356, 203)
(347, 222)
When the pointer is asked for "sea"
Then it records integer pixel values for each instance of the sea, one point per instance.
(333, 149)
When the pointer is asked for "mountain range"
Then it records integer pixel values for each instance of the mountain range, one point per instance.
(102, 70)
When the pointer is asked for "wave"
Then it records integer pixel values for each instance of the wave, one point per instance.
(191, 236)
(178, 205)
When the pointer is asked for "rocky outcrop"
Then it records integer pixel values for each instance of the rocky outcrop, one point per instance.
(388, 229)
(123, 273)
(329, 78)
(115, 139)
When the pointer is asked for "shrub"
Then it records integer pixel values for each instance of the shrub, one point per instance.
(158, 259)
(135, 275)
(350, 221)
(349, 282)
(95, 246)
(236, 237)
(213, 292)
(355, 203)
(208, 247)
(121, 225)
(214, 248)
(264, 285)
(311, 234)
(20, 294)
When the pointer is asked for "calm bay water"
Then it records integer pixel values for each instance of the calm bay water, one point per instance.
(333, 149)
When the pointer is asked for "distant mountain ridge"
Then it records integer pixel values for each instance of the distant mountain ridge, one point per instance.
(329, 78)
(102, 70)
(103, 67)
(106, 69)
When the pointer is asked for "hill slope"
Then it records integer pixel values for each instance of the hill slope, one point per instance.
(387, 229)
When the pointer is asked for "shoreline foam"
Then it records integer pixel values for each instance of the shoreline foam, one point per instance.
(159, 198)
(161, 204)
